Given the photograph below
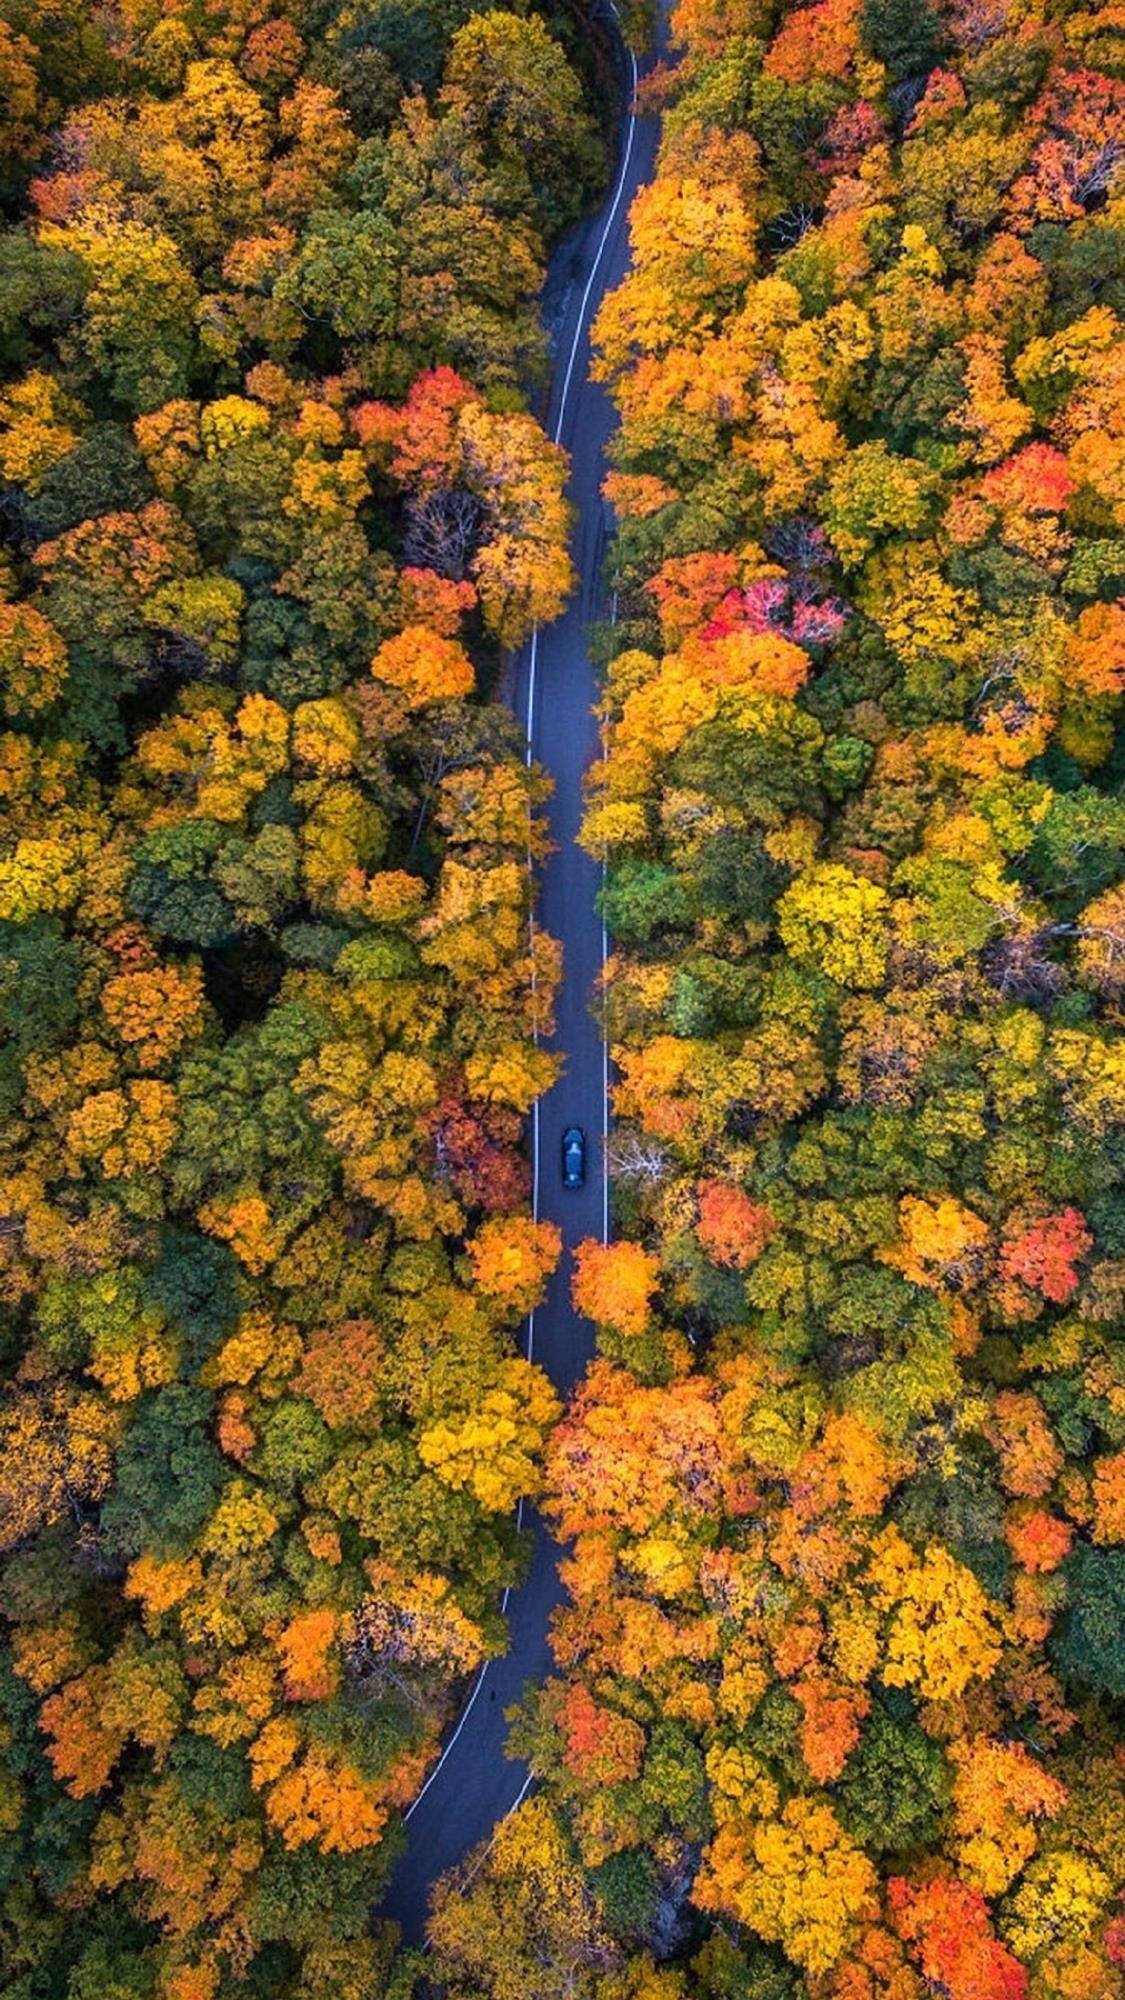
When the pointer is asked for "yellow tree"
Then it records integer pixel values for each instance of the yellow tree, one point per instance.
(795, 1878)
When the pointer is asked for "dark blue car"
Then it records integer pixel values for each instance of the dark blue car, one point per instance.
(574, 1157)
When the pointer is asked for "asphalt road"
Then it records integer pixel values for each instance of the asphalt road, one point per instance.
(476, 1785)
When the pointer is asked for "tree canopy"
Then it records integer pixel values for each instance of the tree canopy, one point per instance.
(273, 509)
(836, 1704)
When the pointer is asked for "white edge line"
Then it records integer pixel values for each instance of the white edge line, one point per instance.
(464, 1717)
(579, 335)
(514, 1807)
(605, 1009)
(477, 1686)
(610, 221)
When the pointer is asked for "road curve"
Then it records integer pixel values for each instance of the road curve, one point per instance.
(474, 1786)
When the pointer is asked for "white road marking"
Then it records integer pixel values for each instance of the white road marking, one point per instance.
(605, 1001)
(611, 218)
(579, 334)
(580, 330)
(513, 1808)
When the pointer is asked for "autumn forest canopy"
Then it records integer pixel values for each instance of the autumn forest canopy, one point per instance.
(839, 1675)
(839, 1679)
(274, 511)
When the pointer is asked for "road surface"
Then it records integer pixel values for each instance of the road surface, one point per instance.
(475, 1785)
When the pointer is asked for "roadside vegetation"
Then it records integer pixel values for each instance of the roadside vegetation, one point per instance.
(838, 1700)
(273, 507)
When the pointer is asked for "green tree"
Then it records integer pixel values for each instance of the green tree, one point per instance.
(1088, 1646)
(904, 37)
(526, 102)
(895, 1787)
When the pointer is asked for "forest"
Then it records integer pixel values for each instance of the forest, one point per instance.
(839, 1681)
(275, 509)
(839, 1677)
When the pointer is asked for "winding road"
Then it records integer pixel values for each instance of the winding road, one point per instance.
(474, 1785)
